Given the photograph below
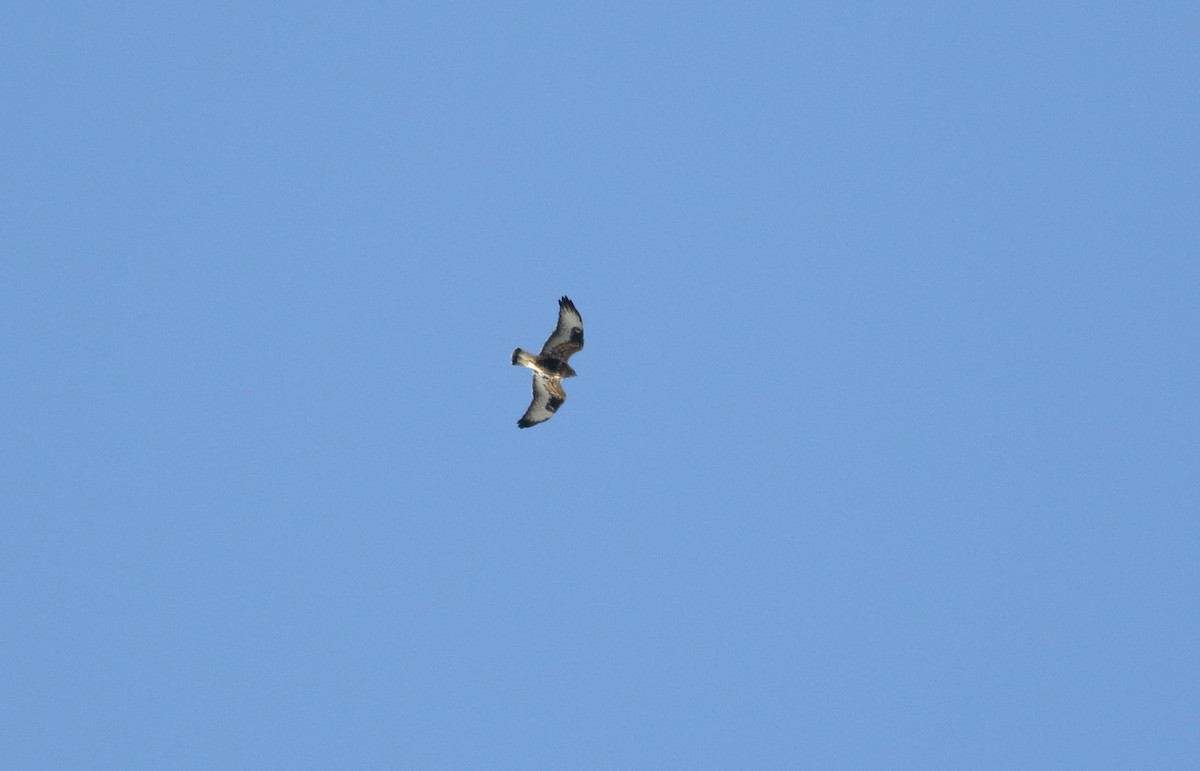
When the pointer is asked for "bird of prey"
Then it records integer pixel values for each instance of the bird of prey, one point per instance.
(550, 366)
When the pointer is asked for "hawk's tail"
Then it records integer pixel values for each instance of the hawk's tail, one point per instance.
(517, 356)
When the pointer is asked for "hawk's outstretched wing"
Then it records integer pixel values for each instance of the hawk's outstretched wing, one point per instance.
(568, 335)
(548, 396)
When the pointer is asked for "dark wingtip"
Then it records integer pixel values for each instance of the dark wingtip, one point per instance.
(565, 302)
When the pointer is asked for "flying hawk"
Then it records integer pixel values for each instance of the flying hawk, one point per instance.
(550, 366)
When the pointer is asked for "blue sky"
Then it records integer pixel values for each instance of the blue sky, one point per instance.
(883, 450)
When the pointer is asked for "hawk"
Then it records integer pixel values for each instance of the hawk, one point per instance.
(550, 366)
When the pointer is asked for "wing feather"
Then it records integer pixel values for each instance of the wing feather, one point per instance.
(548, 396)
(567, 337)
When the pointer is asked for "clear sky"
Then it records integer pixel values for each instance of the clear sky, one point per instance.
(884, 450)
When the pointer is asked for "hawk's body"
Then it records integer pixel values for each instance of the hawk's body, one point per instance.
(550, 366)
